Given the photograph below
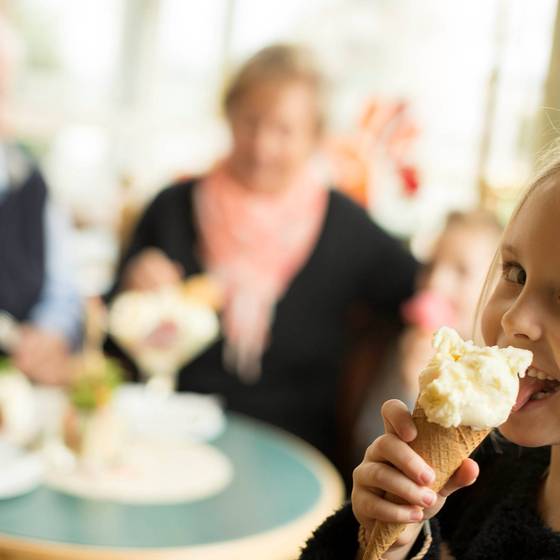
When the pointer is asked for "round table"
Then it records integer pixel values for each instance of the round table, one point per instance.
(281, 490)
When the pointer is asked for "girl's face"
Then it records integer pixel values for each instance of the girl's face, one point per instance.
(524, 311)
(457, 269)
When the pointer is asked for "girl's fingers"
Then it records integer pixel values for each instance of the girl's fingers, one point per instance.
(369, 507)
(390, 449)
(465, 475)
(382, 476)
(397, 420)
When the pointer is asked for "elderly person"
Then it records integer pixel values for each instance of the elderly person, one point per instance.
(36, 286)
(293, 256)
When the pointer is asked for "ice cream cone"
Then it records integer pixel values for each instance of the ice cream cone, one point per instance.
(444, 449)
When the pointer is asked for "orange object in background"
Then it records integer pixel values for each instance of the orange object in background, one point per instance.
(385, 131)
(349, 170)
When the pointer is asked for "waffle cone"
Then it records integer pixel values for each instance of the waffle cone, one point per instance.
(444, 449)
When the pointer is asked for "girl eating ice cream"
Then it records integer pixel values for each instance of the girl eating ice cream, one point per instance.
(511, 508)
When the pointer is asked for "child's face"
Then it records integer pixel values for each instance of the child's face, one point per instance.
(459, 264)
(524, 311)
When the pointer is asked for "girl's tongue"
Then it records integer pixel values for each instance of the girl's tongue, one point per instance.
(529, 386)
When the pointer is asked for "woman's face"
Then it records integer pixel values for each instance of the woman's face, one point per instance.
(457, 270)
(524, 311)
(274, 129)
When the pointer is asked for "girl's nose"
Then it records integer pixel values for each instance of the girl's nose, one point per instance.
(521, 320)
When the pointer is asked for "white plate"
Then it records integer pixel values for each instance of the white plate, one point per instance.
(177, 416)
(151, 473)
(20, 471)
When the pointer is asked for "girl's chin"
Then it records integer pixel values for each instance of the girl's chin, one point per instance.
(527, 436)
(536, 423)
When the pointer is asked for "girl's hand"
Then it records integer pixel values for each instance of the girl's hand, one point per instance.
(150, 270)
(391, 466)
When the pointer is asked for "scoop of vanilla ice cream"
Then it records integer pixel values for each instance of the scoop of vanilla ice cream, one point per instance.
(467, 385)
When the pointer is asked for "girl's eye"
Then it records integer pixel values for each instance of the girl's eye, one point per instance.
(514, 273)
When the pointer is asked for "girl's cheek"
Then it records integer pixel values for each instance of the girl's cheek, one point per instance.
(491, 322)
(554, 342)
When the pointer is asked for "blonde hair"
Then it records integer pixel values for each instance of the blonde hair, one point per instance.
(279, 63)
(549, 171)
(474, 219)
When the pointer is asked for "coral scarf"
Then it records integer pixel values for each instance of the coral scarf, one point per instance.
(255, 243)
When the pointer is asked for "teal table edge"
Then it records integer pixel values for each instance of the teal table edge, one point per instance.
(281, 486)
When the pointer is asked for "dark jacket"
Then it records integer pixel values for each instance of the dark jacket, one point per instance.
(496, 518)
(22, 238)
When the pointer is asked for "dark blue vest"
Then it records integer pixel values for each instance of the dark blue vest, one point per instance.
(22, 244)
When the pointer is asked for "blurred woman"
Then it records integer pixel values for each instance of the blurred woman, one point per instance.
(293, 256)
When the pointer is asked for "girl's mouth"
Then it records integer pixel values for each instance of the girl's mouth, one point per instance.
(535, 386)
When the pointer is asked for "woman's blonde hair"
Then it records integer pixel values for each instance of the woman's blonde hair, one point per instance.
(548, 170)
(280, 63)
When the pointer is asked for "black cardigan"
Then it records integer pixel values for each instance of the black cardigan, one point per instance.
(354, 261)
(496, 518)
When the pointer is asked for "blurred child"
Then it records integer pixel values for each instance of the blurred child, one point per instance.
(448, 290)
